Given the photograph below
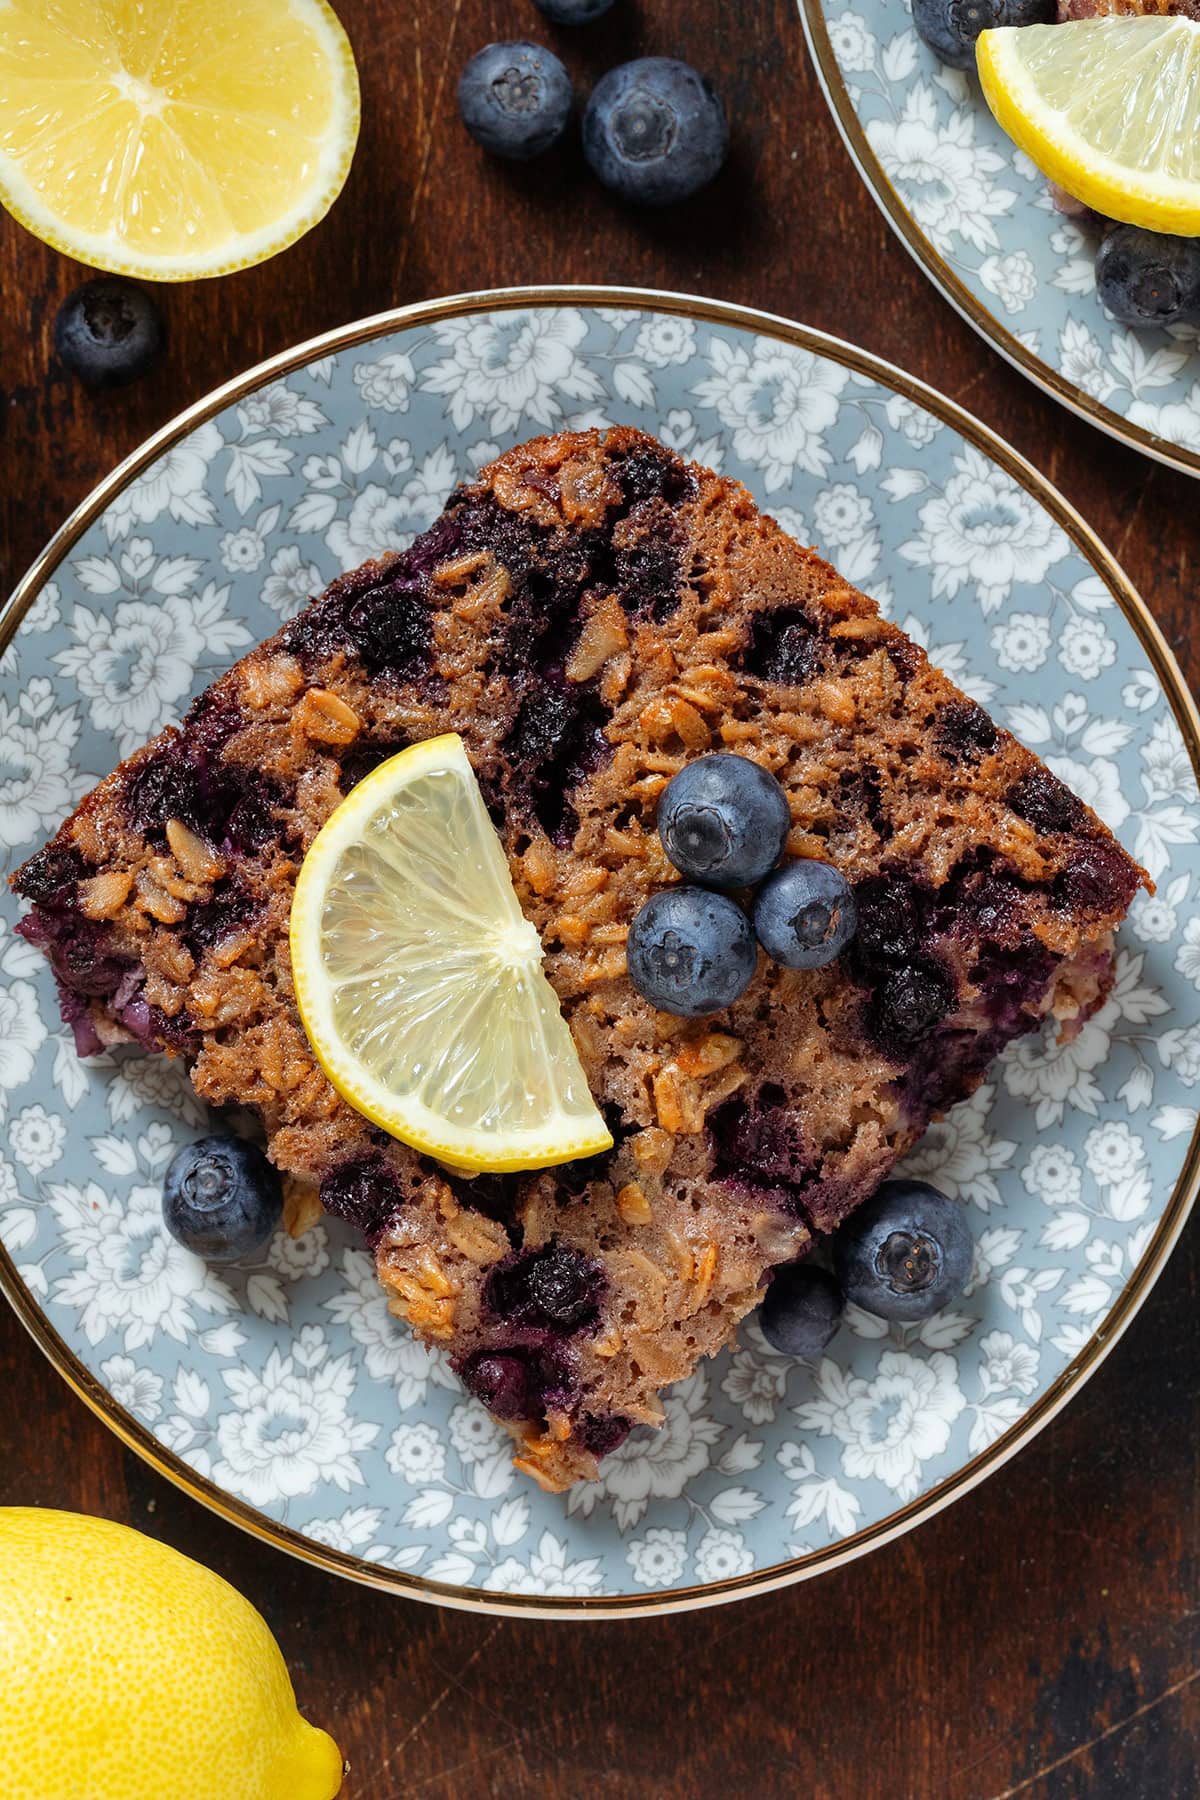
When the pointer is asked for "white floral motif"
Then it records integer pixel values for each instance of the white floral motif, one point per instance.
(721, 1555)
(984, 530)
(1007, 1364)
(1085, 649)
(36, 1139)
(390, 1351)
(416, 1455)
(290, 1427)
(943, 172)
(841, 515)
(755, 1383)
(509, 367)
(1022, 642)
(137, 1390)
(175, 485)
(960, 1156)
(659, 1558)
(37, 782)
(664, 339)
(778, 404)
(385, 383)
(132, 1279)
(1053, 1175)
(1012, 278)
(889, 1426)
(22, 1034)
(291, 583)
(853, 42)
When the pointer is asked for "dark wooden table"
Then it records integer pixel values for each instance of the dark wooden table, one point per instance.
(1041, 1637)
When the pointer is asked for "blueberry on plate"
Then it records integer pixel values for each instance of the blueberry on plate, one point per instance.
(905, 1253)
(950, 27)
(108, 332)
(691, 952)
(655, 131)
(800, 1310)
(221, 1198)
(723, 821)
(572, 12)
(515, 99)
(1145, 278)
(805, 914)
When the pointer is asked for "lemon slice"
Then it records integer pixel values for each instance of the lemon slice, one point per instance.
(173, 138)
(1108, 108)
(419, 980)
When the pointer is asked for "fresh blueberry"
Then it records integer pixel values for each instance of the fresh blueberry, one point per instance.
(655, 131)
(723, 821)
(572, 12)
(221, 1198)
(801, 1310)
(906, 1253)
(109, 332)
(691, 952)
(805, 914)
(1146, 278)
(515, 99)
(950, 27)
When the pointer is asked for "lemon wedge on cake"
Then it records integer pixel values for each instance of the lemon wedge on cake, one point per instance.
(419, 980)
(173, 139)
(1108, 108)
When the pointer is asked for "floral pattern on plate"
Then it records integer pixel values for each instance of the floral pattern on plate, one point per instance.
(931, 153)
(287, 1383)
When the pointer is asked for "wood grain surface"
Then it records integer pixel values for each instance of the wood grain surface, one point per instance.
(1039, 1638)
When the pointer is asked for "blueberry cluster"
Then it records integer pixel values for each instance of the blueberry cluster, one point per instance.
(723, 822)
(654, 131)
(903, 1255)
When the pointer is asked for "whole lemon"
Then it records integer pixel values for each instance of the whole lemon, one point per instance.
(129, 1672)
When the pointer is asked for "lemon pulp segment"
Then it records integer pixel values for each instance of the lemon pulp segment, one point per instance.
(419, 980)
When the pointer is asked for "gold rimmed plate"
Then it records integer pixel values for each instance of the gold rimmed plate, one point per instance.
(283, 1395)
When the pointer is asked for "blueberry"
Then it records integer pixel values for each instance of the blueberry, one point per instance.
(805, 914)
(655, 131)
(221, 1198)
(723, 821)
(691, 952)
(572, 12)
(109, 332)
(801, 1310)
(906, 1253)
(515, 99)
(1145, 278)
(950, 27)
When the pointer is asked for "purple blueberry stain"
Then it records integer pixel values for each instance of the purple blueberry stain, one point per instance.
(556, 1288)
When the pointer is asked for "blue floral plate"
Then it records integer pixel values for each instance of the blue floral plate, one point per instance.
(977, 216)
(284, 1395)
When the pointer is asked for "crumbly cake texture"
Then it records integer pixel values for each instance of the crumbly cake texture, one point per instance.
(590, 613)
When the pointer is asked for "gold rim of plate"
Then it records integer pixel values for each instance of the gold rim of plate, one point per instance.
(1175, 1214)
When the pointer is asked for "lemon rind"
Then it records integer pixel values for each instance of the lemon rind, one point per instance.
(1167, 204)
(243, 250)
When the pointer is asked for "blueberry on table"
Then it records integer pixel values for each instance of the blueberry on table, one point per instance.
(950, 27)
(655, 131)
(1145, 278)
(801, 1310)
(108, 332)
(515, 99)
(221, 1198)
(804, 914)
(572, 12)
(691, 952)
(905, 1253)
(723, 821)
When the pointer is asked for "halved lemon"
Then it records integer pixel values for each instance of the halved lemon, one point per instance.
(173, 138)
(1108, 108)
(420, 981)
